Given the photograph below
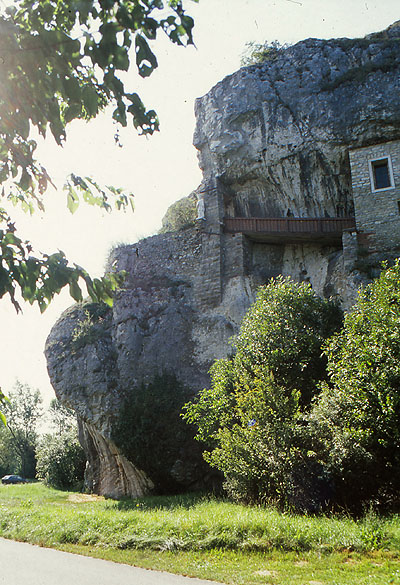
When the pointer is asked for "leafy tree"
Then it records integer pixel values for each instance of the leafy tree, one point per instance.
(283, 332)
(61, 62)
(252, 416)
(61, 460)
(62, 418)
(23, 412)
(356, 419)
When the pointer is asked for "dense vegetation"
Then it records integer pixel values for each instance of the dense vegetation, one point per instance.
(56, 457)
(19, 439)
(305, 428)
(251, 417)
(61, 460)
(356, 419)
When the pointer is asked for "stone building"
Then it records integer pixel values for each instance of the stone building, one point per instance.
(375, 172)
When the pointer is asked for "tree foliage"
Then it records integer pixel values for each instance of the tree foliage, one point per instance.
(38, 279)
(282, 333)
(356, 419)
(252, 416)
(62, 61)
(23, 412)
(3, 399)
(180, 215)
(284, 422)
(59, 62)
(62, 418)
(61, 460)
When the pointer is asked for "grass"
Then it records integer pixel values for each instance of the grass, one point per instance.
(206, 538)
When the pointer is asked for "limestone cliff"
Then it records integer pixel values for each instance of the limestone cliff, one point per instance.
(277, 135)
(273, 142)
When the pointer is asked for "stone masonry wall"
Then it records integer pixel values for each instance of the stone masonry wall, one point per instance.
(377, 212)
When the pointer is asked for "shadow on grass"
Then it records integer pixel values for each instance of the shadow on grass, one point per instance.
(162, 502)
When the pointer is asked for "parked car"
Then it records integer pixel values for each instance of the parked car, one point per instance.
(13, 479)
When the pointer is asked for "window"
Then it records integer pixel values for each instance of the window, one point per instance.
(381, 174)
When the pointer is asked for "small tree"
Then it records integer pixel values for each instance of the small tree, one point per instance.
(356, 419)
(10, 462)
(23, 412)
(61, 460)
(62, 418)
(252, 416)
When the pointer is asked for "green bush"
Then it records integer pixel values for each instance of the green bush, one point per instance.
(180, 215)
(19, 438)
(252, 417)
(61, 461)
(261, 52)
(356, 419)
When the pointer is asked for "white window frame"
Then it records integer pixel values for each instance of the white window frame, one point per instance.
(372, 176)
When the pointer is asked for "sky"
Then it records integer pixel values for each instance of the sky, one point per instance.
(163, 168)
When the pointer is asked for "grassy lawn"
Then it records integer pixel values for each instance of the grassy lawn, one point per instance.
(206, 538)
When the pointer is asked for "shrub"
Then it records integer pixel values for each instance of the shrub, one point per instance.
(252, 417)
(180, 215)
(61, 461)
(356, 419)
(261, 52)
(90, 328)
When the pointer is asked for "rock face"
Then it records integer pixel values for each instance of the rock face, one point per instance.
(277, 135)
(273, 142)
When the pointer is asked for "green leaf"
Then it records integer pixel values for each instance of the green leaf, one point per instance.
(121, 59)
(72, 200)
(145, 59)
(72, 89)
(90, 100)
(119, 114)
(72, 113)
(75, 291)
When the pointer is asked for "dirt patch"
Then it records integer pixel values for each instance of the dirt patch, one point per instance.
(84, 498)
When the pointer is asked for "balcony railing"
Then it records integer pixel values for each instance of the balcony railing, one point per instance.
(289, 227)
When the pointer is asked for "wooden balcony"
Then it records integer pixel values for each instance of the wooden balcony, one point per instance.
(290, 229)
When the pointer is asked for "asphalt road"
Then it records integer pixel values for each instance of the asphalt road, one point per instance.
(24, 564)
